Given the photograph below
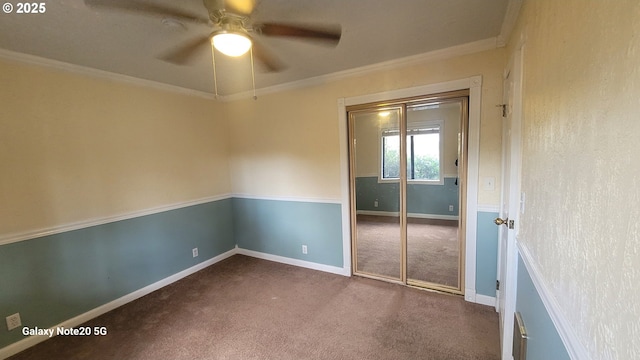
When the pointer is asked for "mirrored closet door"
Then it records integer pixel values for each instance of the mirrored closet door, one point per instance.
(407, 162)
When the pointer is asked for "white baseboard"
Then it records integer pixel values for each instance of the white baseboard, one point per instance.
(30, 341)
(486, 300)
(295, 262)
(409, 215)
(471, 296)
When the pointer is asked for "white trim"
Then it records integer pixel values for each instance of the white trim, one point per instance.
(445, 176)
(569, 338)
(473, 163)
(32, 234)
(435, 88)
(488, 208)
(474, 84)
(409, 215)
(448, 53)
(486, 300)
(289, 198)
(30, 341)
(441, 54)
(511, 178)
(344, 271)
(100, 74)
(509, 22)
(344, 185)
(471, 296)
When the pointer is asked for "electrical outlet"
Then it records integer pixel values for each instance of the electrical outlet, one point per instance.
(450, 207)
(194, 252)
(304, 249)
(13, 321)
(375, 203)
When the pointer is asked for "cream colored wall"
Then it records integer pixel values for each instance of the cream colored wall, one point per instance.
(286, 144)
(581, 169)
(367, 132)
(74, 148)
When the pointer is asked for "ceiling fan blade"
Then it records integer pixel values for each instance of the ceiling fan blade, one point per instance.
(181, 55)
(146, 9)
(270, 62)
(330, 34)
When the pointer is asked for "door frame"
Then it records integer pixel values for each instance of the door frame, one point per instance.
(401, 105)
(474, 85)
(508, 250)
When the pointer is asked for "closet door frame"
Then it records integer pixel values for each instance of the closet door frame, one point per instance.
(463, 96)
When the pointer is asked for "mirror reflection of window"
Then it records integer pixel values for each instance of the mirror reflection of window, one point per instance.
(423, 154)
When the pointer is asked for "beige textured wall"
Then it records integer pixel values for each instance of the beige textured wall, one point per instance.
(286, 144)
(74, 148)
(581, 164)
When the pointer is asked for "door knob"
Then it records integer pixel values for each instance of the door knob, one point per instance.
(498, 221)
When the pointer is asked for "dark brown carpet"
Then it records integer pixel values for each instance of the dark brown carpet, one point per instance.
(246, 308)
(432, 249)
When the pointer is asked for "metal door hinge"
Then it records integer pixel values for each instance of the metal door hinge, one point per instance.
(504, 109)
(497, 284)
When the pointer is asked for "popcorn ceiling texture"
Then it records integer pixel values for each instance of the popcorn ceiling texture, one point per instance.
(581, 164)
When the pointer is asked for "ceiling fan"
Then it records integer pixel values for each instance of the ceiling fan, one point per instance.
(234, 31)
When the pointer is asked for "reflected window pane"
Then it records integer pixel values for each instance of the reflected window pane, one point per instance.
(423, 157)
(391, 157)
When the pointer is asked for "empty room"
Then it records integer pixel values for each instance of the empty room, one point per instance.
(298, 179)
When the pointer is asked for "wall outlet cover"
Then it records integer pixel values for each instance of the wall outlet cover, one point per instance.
(194, 252)
(13, 321)
(489, 183)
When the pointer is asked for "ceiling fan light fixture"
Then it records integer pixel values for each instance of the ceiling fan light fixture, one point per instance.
(231, 43)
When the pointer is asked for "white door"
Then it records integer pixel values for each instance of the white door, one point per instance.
(510, 206)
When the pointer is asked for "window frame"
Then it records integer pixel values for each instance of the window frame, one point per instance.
(413, 126)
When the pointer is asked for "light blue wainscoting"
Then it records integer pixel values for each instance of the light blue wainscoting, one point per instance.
(421, 198)
(281, 228)
(57, 277)
(543, 341)
(486, 254)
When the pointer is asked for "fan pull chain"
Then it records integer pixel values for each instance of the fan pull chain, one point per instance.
(253, 76)
(215, 80)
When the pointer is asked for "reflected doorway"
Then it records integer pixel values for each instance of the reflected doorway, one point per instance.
(407, 161)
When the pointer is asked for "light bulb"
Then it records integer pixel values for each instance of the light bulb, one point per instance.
(231, 44)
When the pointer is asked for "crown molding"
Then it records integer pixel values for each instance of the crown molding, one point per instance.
(441, 54)
(100, 74)
(509, 22)
(451, 52)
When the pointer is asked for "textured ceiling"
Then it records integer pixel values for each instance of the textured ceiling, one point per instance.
(373, 31)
